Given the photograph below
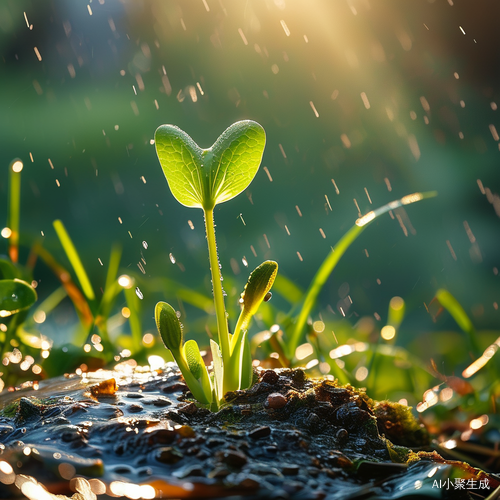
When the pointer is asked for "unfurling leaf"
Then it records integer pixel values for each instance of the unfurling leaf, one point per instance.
(169, 326)
(193, 358)
(257, 289)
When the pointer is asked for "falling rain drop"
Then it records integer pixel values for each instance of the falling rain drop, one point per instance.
(172, 258)
(145, 244)
(139, 293)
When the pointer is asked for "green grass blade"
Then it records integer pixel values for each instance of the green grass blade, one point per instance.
(114, 263)
(287, 289)
(14, 208)
(51, 302)
(135, 319)
(451, 304)
(111, 291)
(74, 259)
(333, 258)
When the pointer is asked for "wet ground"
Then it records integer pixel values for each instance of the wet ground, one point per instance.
(135, 433)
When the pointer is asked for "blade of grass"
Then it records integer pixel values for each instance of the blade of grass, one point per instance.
(333, 258)
(14, 209)
(395, 317)
(135, 318)
(51, 302)
(287, 289)
(111, 291)
(81, 305)
(451, 304)
(74, 259)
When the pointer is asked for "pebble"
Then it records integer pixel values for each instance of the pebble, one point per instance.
(270, 377)
(249, 483)
(233, 458)
(135, 408)
(175, 387)
(161, 401)
(342, 436)
(290, 469)
(162, 436)
(189, 409)
(260, 432)
(276, 400)
(213, 442)
(134, 395)
(265, 470)
(312, 421)
(168, 455)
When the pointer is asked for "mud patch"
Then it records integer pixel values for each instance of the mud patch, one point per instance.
(137, 434)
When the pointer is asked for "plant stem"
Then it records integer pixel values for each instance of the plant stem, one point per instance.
(220, 310)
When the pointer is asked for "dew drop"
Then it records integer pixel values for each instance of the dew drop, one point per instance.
(139, 293)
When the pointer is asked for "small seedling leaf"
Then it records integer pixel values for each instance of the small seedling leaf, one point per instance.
(193, 358)
(15, 295)
(235, 159)
(168, 326)
(181, 160)
(258, 285)
(218, 369)
(203, 178)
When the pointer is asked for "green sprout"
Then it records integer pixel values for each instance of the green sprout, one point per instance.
(203, 178)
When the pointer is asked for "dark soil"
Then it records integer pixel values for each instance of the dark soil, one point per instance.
(288, 437)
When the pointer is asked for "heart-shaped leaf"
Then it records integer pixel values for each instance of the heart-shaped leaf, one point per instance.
(181, 160)
(15, 295)
(205, 177)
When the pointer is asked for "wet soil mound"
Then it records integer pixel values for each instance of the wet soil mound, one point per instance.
(135, 433)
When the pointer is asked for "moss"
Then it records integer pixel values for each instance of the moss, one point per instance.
(10, 410)
(398, 454)
(397, 422)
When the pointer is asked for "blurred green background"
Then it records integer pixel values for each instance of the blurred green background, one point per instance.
(383, 97)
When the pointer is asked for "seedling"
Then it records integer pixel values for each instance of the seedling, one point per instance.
(203, 178)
